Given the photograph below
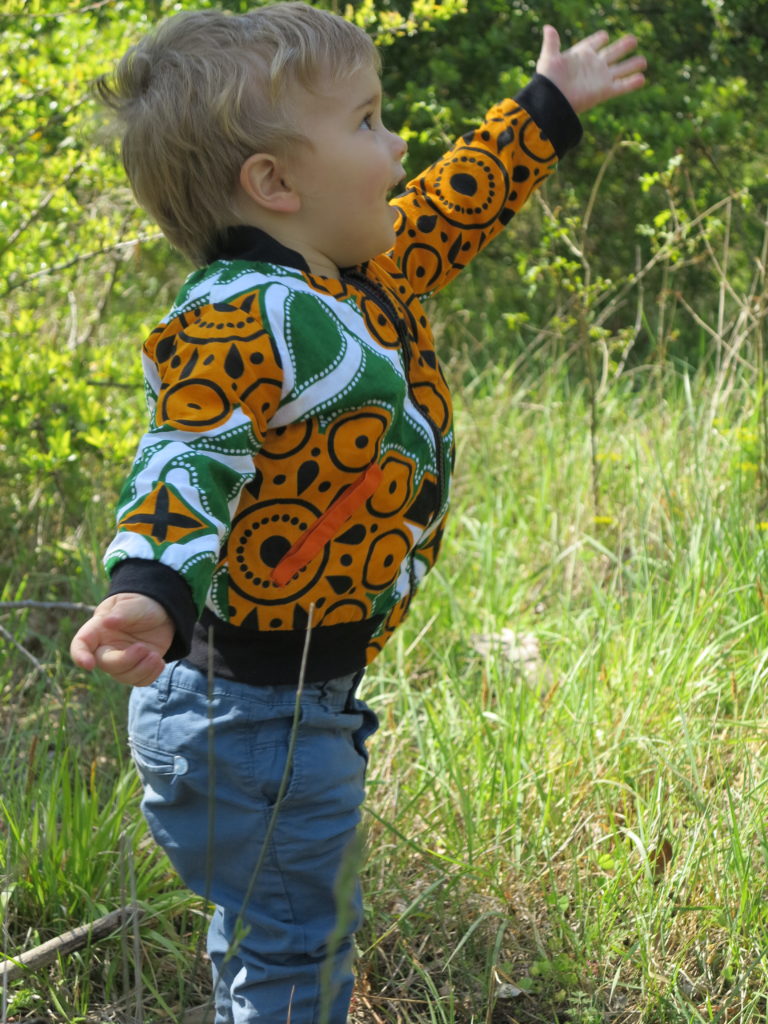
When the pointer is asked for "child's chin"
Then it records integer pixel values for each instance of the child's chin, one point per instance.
(389, 236)
(383, 243)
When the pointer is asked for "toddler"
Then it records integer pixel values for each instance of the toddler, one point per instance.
(291, 490)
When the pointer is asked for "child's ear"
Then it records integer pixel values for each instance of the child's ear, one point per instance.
(262, 181)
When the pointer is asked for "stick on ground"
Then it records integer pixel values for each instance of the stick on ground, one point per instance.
(61, 945)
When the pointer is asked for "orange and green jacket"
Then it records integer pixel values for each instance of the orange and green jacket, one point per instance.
(298, 460)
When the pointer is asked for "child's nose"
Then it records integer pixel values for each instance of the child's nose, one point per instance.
(400, 146)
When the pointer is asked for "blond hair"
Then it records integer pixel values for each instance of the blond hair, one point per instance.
(205, 90)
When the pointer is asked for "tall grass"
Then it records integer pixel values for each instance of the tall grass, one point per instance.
(571, 817)
(589, 827)
(567, 799)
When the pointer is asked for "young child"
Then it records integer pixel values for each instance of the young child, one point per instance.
(291, 491)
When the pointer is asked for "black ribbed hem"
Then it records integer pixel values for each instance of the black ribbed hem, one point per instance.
(167, 587)
(274, 658)
(552, 112)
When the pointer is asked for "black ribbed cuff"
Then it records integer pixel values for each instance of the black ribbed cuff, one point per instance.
(552, 112)
(168, 588)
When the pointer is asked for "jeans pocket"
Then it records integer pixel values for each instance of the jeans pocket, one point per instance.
(152, 763)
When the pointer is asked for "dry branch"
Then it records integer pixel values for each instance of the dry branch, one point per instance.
(64, 944)
(150, 236)
(9, 638)
(73, 606)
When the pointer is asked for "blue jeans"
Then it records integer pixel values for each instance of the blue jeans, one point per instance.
(284, 885)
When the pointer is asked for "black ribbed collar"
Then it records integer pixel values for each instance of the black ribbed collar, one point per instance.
(244, 242)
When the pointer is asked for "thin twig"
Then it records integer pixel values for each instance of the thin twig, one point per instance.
(287, 771)
(66, 943)
(101, 305)
(39, 667)
(594, 193)
(730, 348)
(32, 217)
(661, 254)
(136, 935)
(637, 326)
(111, 384)
(4, 901)
(67, 264)
(67, 606)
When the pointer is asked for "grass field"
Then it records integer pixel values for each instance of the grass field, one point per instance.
(567, 809)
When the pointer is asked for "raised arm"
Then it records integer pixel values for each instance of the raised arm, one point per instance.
(458, 205)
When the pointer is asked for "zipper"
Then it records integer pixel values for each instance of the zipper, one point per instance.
(377, 294)
(327, 526)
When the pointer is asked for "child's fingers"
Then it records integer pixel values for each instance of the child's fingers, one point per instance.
(596, 41)
(106, 645)
(628, 84)
(85, 643)
(81, 652)
(630, 67)
(619, 49)
(550, 43)
(136, 665)
(133, 616)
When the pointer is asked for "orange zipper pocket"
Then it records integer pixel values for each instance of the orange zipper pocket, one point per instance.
(327, 526)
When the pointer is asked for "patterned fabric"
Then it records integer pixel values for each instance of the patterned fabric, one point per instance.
(301, 440)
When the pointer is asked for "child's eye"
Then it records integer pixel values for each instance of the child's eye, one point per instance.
(368, 121)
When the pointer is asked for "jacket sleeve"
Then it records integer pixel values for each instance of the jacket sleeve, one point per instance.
(214, 379)
(458, 205)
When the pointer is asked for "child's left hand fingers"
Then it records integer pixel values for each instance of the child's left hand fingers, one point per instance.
(136, 665)
(618, 50)
(596, 41)
(629, 67)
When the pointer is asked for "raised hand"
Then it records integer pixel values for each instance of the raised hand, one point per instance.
(592, 70)
(127, 637)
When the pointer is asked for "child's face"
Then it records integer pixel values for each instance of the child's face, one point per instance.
(344, 176)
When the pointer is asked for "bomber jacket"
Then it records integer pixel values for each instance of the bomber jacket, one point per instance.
(297, 465)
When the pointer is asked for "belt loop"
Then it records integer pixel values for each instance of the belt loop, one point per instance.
(163, 683)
